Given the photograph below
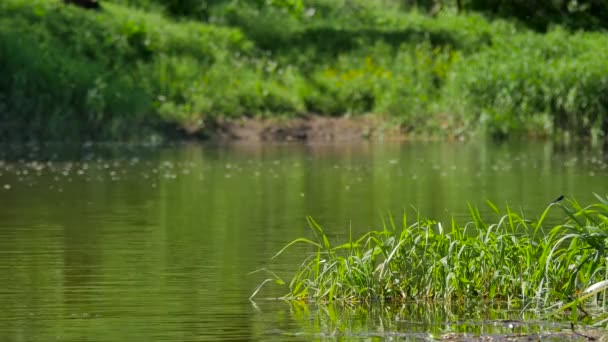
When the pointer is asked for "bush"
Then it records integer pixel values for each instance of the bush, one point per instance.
(536, 84)
(47, 94)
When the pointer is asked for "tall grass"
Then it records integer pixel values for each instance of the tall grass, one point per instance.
(527, 263)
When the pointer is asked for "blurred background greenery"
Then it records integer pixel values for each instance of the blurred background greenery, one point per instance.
(136, 69)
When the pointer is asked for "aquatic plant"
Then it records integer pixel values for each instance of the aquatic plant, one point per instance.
(527, 263)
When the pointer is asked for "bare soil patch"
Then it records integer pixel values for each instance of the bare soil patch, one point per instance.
(311, 128)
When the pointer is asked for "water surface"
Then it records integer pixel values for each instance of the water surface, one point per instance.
(116, 242)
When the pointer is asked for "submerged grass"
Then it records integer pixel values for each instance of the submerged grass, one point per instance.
(527, 263)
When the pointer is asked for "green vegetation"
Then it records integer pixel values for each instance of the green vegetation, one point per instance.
(526, 263)
(140, 68)
(541, 14)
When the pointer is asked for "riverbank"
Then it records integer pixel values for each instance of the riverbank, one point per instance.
(131, 73)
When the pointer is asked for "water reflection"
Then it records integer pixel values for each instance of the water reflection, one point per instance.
(114, 242)
(407, 321)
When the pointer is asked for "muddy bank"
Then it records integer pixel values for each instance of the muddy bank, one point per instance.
(311, 128)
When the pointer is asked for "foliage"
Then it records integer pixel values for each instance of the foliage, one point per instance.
(204, 9)
(70, 71)
(524, 262)
(521, 95)
(44, 90)
(587, 14)
(140, 63)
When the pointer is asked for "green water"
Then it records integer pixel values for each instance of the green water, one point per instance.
(127, 243)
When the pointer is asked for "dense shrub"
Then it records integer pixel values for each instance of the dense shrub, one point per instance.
(97, 73)
(47, 93)
(536, 84)
(540, 14)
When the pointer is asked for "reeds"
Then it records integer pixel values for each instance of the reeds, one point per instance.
(524, 262)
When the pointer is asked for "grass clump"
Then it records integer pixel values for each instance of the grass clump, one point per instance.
(524, 262)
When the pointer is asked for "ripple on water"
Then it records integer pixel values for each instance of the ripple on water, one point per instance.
(116, 243)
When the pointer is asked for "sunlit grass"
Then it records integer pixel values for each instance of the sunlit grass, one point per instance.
(527, 263)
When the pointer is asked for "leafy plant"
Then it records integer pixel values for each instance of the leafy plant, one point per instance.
(523, 262)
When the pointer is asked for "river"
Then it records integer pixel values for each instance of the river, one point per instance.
(116, 242)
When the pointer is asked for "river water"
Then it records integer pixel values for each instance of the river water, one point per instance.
(132, 243)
